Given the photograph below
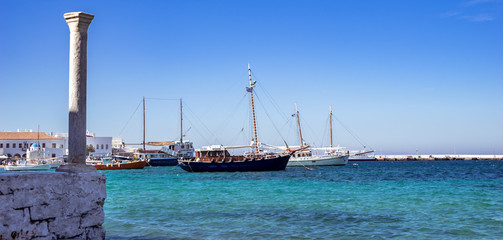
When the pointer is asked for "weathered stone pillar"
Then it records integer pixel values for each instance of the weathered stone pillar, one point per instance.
(78, 22)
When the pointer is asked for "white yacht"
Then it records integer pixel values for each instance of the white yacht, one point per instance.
(333, 156)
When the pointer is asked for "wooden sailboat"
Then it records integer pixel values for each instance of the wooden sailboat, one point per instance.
(154, 158)
(332, 157)
(218, 159)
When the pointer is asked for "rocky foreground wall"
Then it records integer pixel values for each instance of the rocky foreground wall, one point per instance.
(52, 205)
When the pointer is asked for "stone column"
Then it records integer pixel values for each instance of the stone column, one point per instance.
(78, 22)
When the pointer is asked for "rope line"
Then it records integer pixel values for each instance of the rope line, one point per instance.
(139, 104)
(267, 113)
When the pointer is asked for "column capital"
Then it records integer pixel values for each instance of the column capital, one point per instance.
(78, 21)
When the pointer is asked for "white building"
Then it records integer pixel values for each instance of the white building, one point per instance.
(15, 144)
(102, 145)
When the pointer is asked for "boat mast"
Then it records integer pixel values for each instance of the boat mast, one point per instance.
(298, 123)
(250, 89)
(38, 140)
(181, 122)
(143, 123)
(331, 142)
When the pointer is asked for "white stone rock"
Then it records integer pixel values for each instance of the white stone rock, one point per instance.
(52, 205)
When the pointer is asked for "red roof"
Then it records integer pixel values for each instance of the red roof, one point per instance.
(26, 136)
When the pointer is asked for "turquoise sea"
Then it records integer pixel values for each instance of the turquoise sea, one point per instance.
(367, 200)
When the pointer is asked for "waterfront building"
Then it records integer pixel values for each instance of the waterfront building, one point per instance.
(15, 144)
(102, 145)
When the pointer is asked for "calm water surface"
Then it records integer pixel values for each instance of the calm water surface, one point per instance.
(372, 200)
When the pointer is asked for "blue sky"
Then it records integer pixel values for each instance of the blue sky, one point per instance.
(401, 75)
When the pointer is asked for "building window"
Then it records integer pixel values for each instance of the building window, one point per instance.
(101, 146)
(54, 145)
(6, 145)
(20, 145)
(107, 146)
(61, 146)
(43, 145)
(1, 145)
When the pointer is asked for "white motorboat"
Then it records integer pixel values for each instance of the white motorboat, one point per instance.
(333, 156)
(306, 158)
(23, 165)
(362, 155)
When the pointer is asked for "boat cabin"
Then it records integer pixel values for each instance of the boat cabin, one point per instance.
(149, 154)
(212, 153)
(179, 149)
(305, 153)
(216, 154)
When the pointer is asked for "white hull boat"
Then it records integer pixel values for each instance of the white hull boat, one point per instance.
(334, 156)
(321, 160)
(28, 167)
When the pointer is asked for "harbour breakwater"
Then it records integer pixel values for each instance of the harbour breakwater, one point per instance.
(52, 205)
(439, 157)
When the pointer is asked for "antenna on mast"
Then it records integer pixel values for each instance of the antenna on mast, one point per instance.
(250, 89)
(38, 140)
(181, 122)
(298, 123)
(144, 123)
(331, 142)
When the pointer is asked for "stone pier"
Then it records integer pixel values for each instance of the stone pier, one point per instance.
(52, 205)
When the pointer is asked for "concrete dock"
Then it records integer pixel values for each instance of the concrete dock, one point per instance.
(433, 157)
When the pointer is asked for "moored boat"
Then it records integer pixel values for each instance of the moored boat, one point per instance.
(109, 164)
(23, 165)
(156, 158)
(306, 158)
(218, 159)
(362, 156)
(168, 155)
(333, 156)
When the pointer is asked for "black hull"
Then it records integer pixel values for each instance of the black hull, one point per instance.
(271, 164)
(158, 162)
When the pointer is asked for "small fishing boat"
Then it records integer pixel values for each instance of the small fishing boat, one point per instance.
(218, 159)
(23, 165)
(333, 156)
(362, 156)
(37, 154)
(111, 164)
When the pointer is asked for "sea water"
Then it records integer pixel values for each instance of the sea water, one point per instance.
(366, 200)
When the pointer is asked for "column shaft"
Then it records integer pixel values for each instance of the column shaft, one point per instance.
(78, 23)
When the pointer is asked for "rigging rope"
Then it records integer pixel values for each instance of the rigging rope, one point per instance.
(352, 134)
(231, 114)
(139, 104)
(202, 123)
(267, 113)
